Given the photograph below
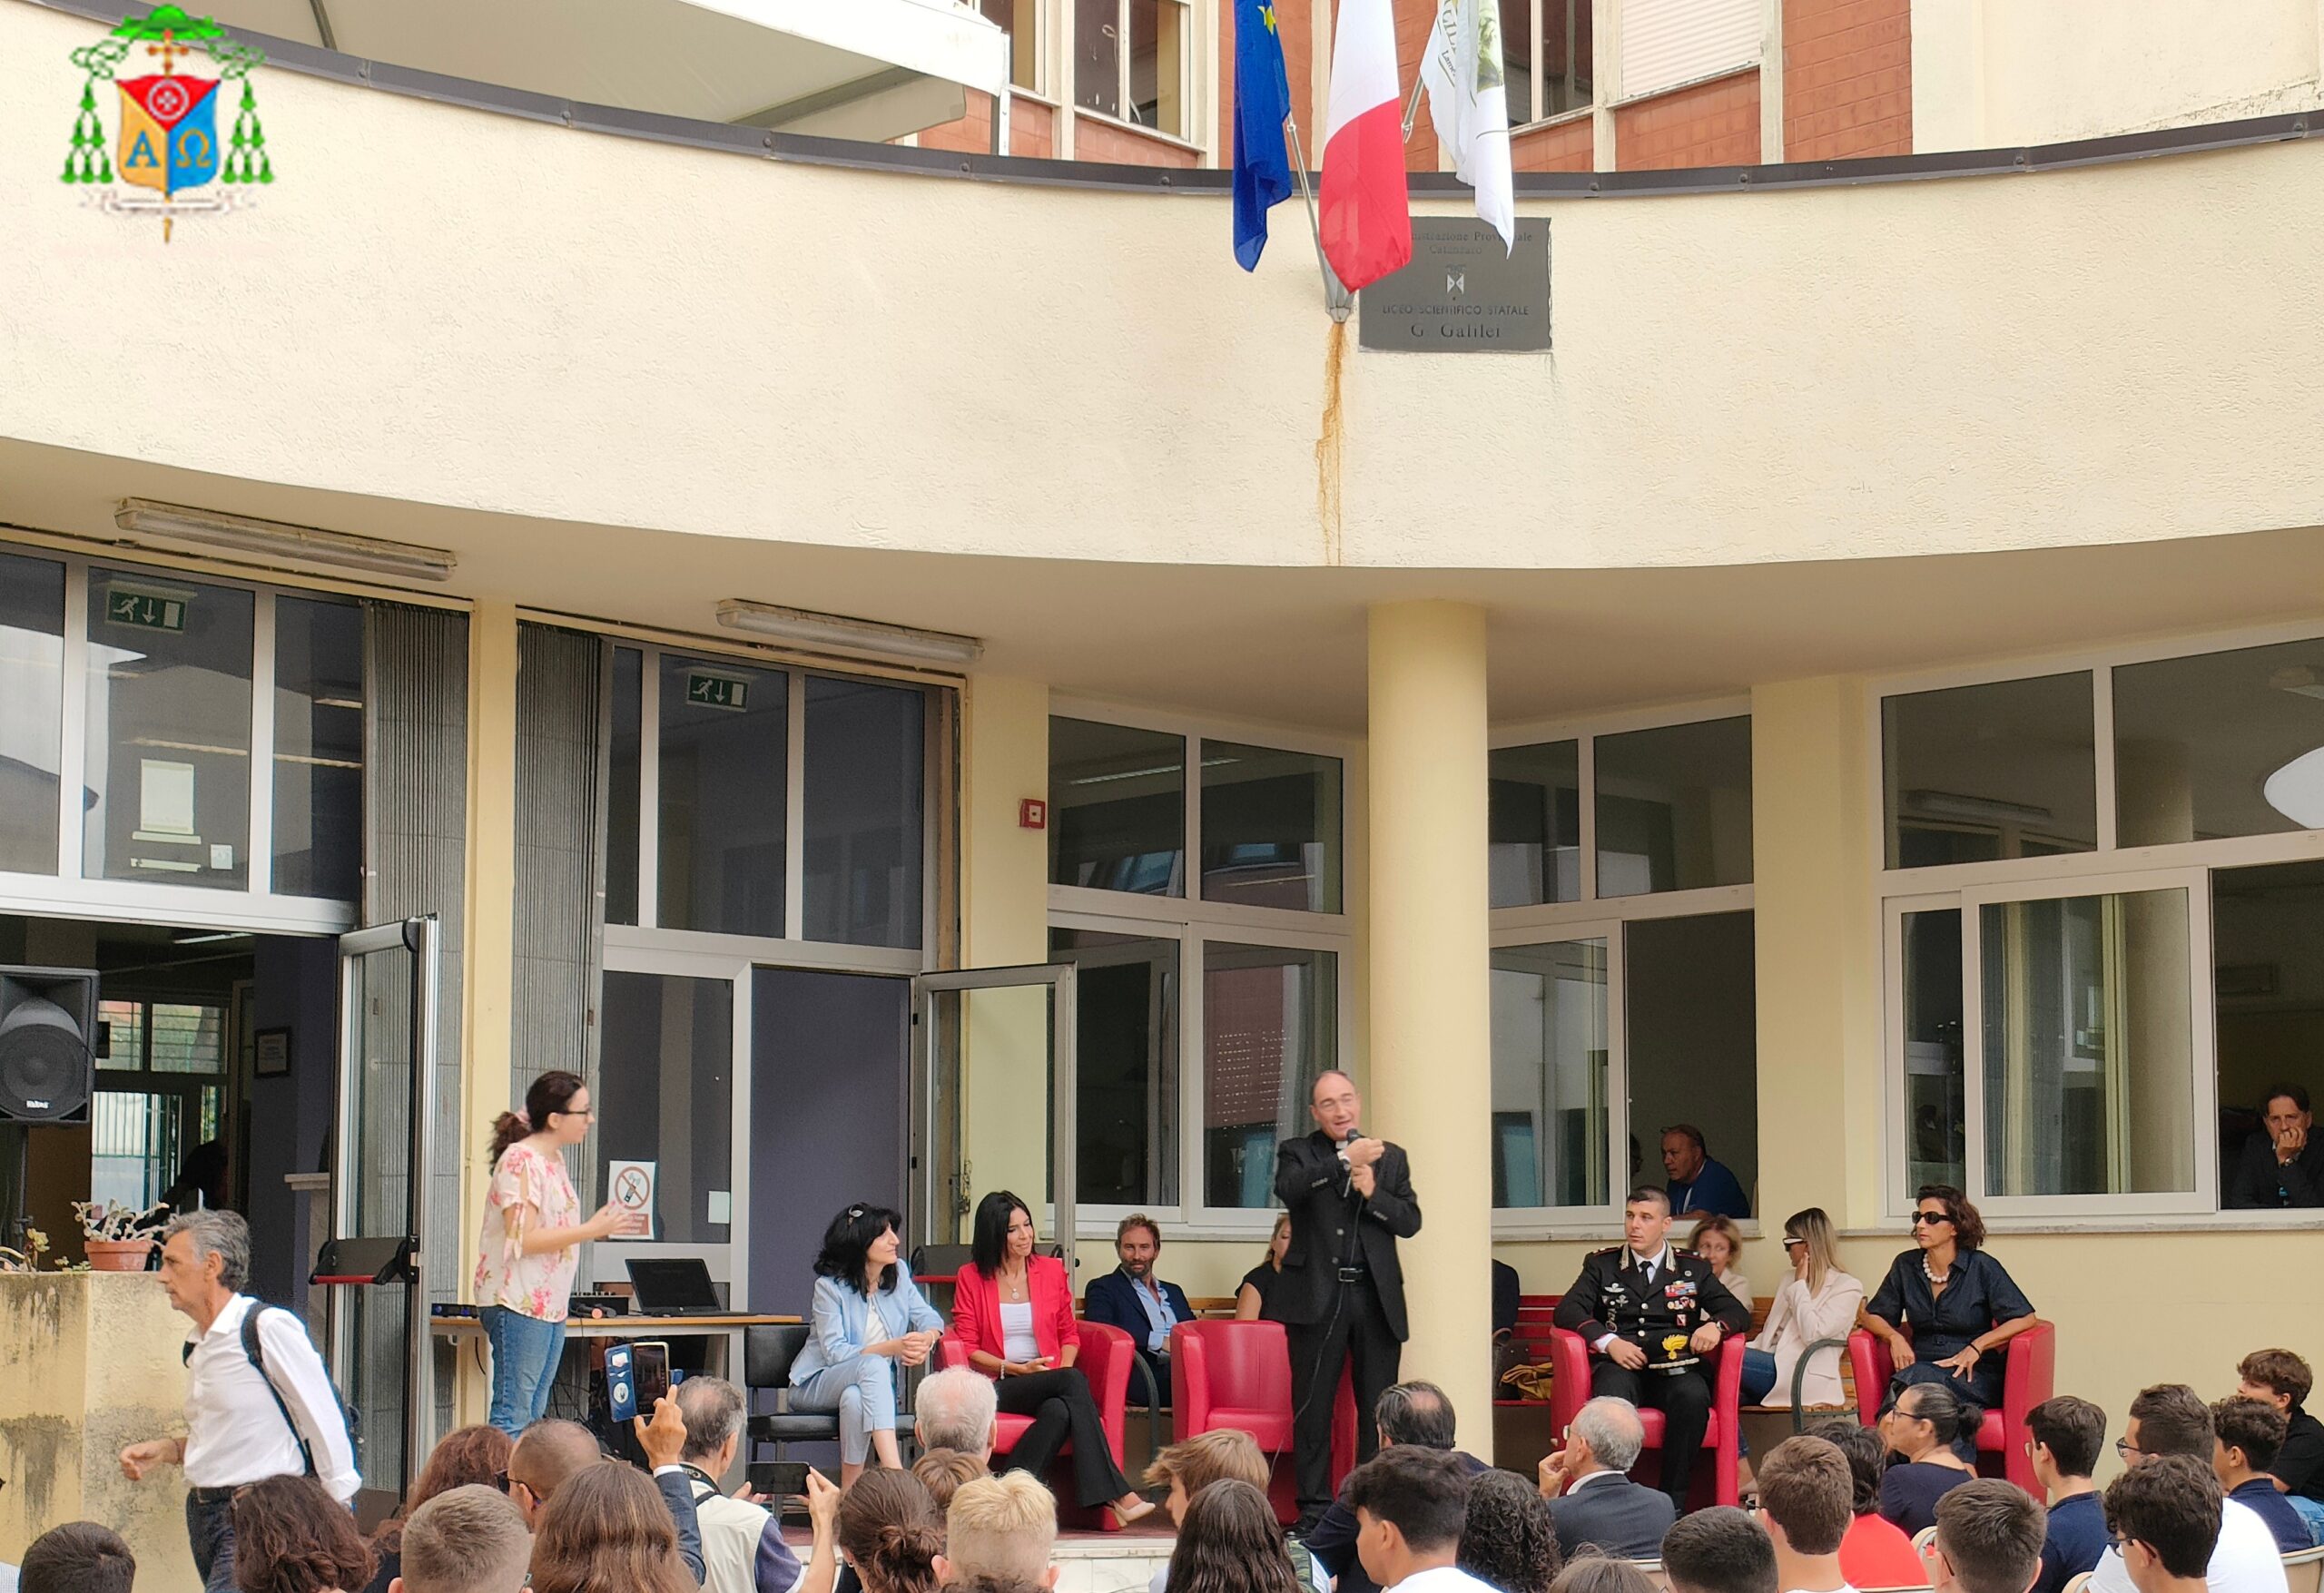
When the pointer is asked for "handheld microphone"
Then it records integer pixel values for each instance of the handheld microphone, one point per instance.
(1347, 1171)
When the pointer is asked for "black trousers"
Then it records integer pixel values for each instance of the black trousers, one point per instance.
(1354, 1334)
(1061, 1407)
(1684, 1399)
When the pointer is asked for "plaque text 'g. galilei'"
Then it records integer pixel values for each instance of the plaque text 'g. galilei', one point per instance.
(1461, 294)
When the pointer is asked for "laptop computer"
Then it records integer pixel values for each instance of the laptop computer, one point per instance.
(673, 1285)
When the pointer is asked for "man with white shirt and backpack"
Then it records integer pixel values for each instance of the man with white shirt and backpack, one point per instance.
(259, 1401)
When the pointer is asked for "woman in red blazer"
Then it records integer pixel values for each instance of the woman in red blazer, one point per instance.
(1012, 1310)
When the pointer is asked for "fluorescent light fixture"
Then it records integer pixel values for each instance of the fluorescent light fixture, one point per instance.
(2297, 790)
(850, 636)
(239, 534)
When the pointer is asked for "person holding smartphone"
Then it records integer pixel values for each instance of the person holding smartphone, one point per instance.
(1012, 1310)
(868, 1319)
(530, 1249)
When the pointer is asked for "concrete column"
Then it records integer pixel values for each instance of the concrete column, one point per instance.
(1429, 1088)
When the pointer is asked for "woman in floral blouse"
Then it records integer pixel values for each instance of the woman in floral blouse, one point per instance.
(529, 1250)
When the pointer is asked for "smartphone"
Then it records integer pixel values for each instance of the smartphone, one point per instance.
(621, 1384)
(779, 1478)
(651, 1358)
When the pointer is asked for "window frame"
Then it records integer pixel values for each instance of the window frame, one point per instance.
(1538, 113)
(1189, 47)
(2102, 870)
(1590, 917)
(1195, 921)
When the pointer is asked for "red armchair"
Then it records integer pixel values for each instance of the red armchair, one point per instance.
(2030, 1378)
(1104, 1359)
(1238, 1374)
(1723, 1437)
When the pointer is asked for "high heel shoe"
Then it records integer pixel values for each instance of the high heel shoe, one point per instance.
(1130, 1518)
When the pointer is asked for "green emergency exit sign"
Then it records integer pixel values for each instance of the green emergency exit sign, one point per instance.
(716, 691)
(145, 611)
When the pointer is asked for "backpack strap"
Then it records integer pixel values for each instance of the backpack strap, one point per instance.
(257, 1354)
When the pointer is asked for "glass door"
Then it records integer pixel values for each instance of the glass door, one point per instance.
(387, 995)
(995, 1092)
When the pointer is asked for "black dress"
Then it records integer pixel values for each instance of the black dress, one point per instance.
(1980, 1296)
(1263, 1278)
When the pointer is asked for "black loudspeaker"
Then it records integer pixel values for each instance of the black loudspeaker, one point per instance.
(48, 1032)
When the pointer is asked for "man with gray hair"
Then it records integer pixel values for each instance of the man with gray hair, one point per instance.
(258, 1402)
(742, 1550)
(467, 1539)
(1415, 1414)
(1591, 1497)
(955, 1409)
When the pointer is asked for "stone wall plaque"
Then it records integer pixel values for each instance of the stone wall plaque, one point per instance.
(1461, 294)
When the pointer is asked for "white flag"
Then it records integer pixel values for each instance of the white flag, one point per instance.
(1470, 105)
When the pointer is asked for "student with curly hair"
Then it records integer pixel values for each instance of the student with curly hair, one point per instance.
(291, 1537)
(1509, 1538)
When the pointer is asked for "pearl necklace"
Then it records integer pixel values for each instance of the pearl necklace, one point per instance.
(1935, 1279)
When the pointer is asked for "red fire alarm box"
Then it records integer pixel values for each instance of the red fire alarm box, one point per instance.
(1032, 813)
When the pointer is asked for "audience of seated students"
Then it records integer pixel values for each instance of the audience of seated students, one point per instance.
(1921, 1430)
(942, 1472)
(2245, 1436)
(1988, 1539)
(2283, 1380)
(1591, 1495)
(2065, 1436)
(1229, 1542)
(1601, 1573)
(1806, 1499)
(2168, 1515)
(465, 1539)
(1874, 1553)
(80, 1557)
(1509, 1539)
(742, 1547)
(999, 1529)
(956, 1408)
(1415, 1413)
(1963, 1308)
(1720, 1550)
(552, 1452)
(1253, 1295)
(1134, 1298)
(1817, 1301)
(463, 1456)
(2167, 1420)
(291, 1537)
(1012, 1313)
(2280, 1165)
(606, 1528)
(1411, 1505)
(890, 1532)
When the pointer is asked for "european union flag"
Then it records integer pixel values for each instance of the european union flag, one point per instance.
(1262, 104)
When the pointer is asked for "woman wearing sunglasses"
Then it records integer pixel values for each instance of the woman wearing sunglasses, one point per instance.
(1817, 1302)
(1959, 1306)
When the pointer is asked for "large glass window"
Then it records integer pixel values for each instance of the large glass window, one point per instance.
(1534, 822)
(32, 711)
(1937, 1113)
(1118, 808)
(1691, 1030)
(1548, 73)
(1270, 1026)
(864, 753)
(318, 748)
(1549, 1126)
(2007, 770)
(724, 750)
(1126, 1054)
(1674, 807)
(2088, 1041)
(665, 1095)
(169, 731)
(1270, 828)
(625, 770)
(2221, 743)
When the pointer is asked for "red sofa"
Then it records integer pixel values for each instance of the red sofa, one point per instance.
(2030, 1378)
(1238, 1374)
(1104, 1359)
(1570, 1390)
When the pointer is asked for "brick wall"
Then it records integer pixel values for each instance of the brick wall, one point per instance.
(1714, 124)
(1847, 78)
(1094, 140)
(1570, 146)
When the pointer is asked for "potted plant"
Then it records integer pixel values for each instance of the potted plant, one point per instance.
(117, 1237)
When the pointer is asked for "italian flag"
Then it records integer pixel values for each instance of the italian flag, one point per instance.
(1366, 219)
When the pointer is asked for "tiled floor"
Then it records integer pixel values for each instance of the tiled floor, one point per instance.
(1110, 1562)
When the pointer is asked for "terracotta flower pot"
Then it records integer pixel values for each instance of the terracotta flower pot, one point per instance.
(117, 1255)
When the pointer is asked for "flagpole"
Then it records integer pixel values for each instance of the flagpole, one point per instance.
(1337, 298)
(1412, 106)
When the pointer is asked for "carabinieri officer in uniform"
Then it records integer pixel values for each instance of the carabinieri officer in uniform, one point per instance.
(1653, 1315)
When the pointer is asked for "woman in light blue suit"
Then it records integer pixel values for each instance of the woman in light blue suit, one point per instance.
(868, 1319)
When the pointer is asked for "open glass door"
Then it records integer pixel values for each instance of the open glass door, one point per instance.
(380, 1354)
(995, 1088)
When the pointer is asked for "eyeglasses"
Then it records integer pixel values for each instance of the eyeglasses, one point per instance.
(2126, 1449)
(1930, 1218)
(590, 1112)
(1790, 1239)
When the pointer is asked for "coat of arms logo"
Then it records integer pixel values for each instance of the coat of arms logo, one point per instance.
(169, 120)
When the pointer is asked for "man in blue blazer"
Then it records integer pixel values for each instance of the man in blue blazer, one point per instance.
(1134, 1300)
